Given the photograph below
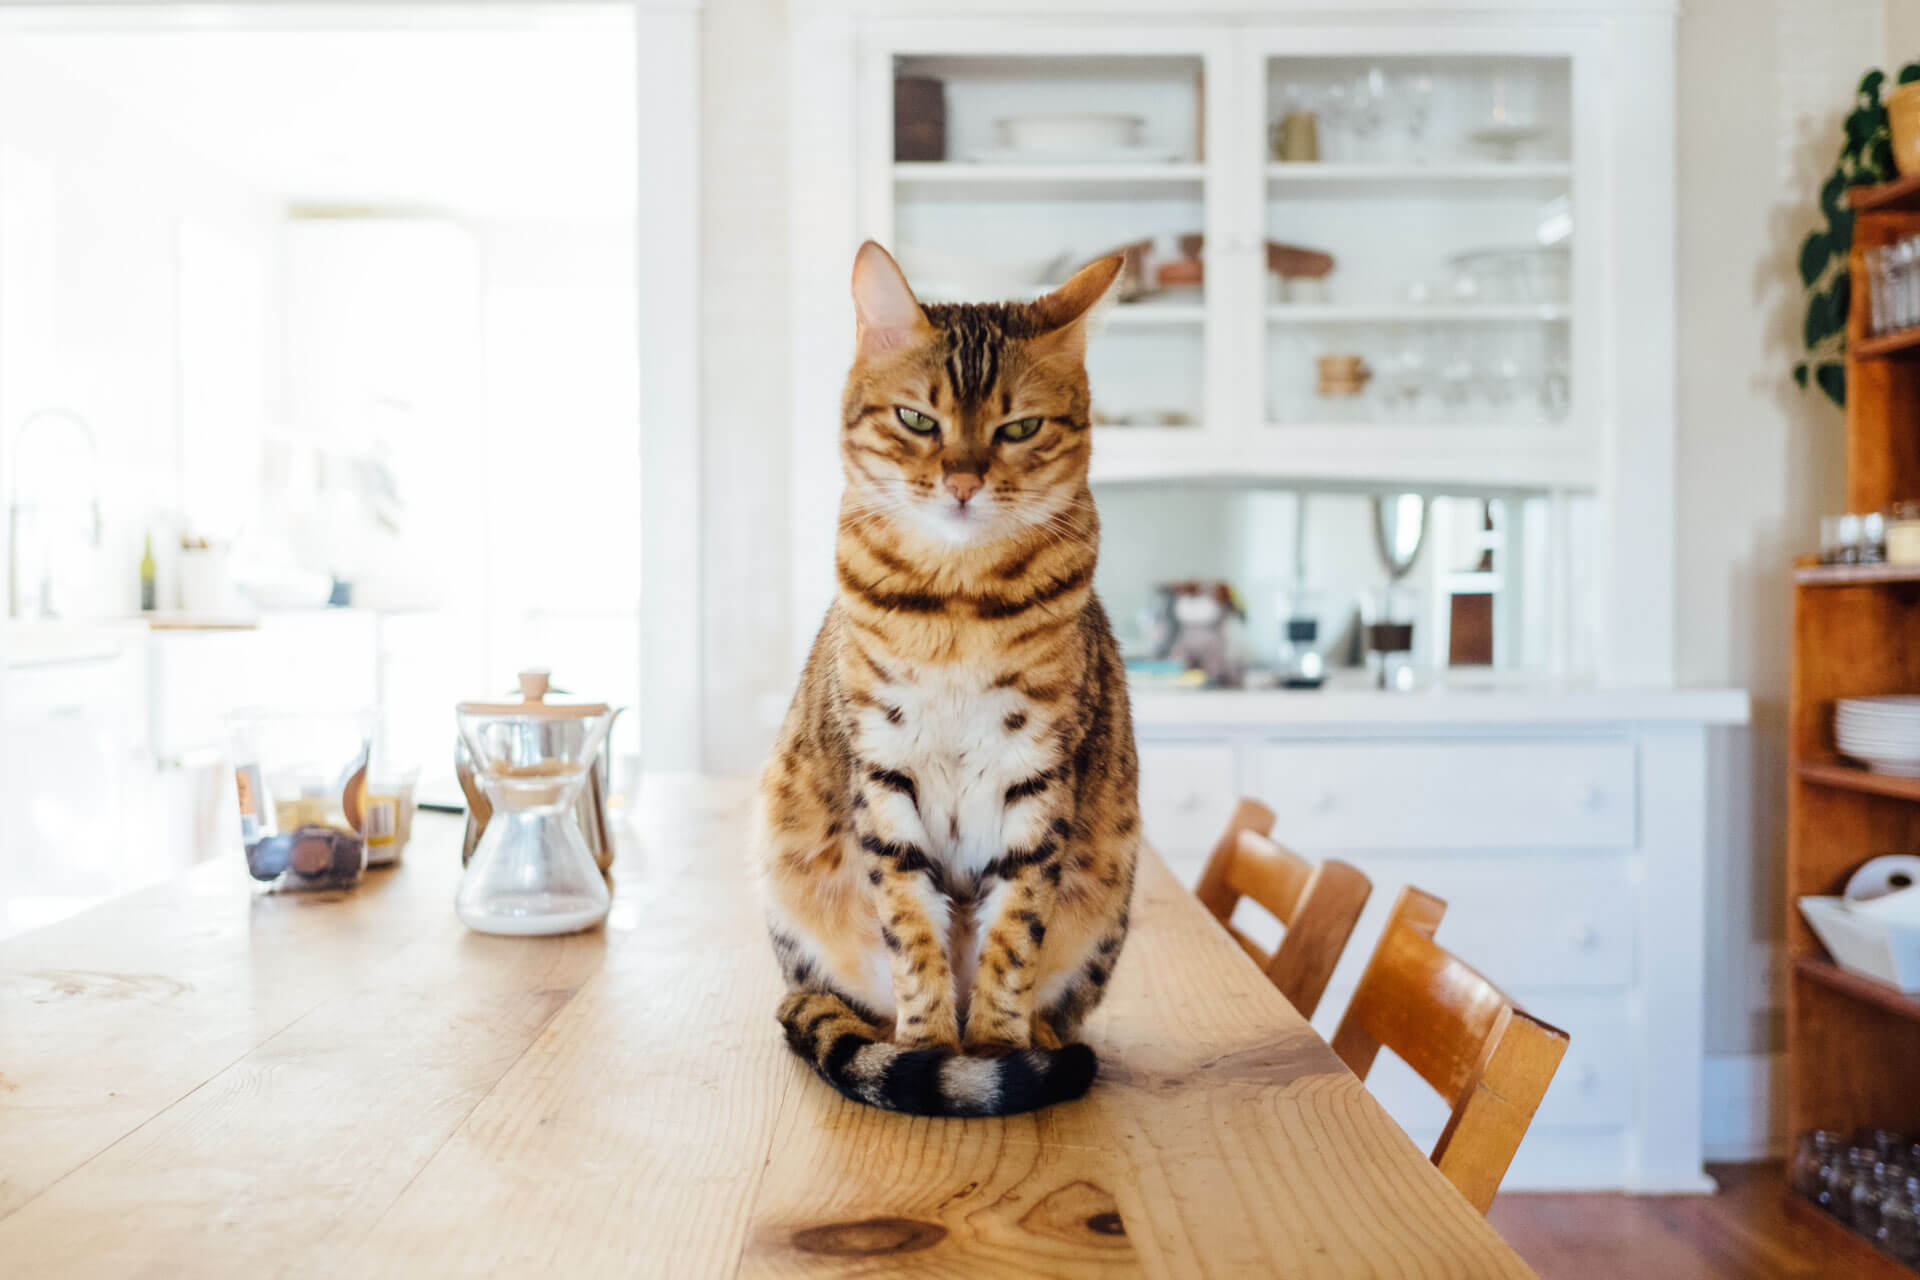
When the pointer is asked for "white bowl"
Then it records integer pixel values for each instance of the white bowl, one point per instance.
(1884, 950)
(1072, 130)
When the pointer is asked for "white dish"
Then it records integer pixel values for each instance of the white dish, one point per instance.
(1071, 130)
(1883, 950)
(1073, 155)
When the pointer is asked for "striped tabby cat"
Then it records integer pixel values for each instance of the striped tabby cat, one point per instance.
(949, 820)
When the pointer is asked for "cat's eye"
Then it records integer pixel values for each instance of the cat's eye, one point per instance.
(1019, 430)
(916, 422)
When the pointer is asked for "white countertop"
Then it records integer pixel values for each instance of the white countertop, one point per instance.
(1540, 704)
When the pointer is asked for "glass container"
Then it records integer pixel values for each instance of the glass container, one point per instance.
(1811, 1158)
(533, 871)
(1899, 1233)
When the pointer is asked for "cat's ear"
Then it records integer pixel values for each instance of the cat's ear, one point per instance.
(889, 315)
(1068, 311)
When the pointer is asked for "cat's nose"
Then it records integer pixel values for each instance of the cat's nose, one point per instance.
(963, 485)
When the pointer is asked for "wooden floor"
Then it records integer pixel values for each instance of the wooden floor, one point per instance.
(1740, 1234)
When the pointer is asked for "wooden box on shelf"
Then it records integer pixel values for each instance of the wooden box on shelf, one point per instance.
(1851, 1041)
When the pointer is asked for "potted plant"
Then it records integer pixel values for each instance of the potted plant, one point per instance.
(1866, 158)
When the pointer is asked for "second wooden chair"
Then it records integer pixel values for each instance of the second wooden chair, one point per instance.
(1318, 905)
(1486, 1057)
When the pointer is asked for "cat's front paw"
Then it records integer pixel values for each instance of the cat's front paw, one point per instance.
(927, 1034)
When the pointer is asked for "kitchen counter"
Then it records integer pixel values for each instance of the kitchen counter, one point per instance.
(202, 1079)
(1455, 705)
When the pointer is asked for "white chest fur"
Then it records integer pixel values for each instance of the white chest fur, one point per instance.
(952, 738)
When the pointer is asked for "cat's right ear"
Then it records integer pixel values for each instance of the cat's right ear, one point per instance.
(889, 314)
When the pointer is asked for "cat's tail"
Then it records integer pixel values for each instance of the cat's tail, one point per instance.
(853, 1056)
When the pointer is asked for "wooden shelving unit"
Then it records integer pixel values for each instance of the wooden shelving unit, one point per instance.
(1852, 1042)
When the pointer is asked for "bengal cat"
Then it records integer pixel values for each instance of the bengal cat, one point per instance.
(949, 820)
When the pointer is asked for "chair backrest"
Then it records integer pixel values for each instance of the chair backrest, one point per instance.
(1318, 905)
(1489, 1059)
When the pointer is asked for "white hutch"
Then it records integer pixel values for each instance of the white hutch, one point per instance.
(1559, 799)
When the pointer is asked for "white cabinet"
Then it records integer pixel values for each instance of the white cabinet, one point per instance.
(1570, 849)
(1544, 368)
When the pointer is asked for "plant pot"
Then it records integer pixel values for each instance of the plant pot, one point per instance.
(1903, 119)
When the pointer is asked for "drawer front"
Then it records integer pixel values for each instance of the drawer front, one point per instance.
(1524, 920)
(1187, 792)
(1338, 796)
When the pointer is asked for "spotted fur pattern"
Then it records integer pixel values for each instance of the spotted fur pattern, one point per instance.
(949, 820)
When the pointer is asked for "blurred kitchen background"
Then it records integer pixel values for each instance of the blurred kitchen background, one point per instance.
(331, 322)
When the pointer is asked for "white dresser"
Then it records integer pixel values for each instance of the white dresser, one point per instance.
(1566, 830)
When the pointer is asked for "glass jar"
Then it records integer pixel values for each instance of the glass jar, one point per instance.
(1811, 1157)
(1899, 1233)
(1869, 1188)
(1848, 1167)
(1903, 533)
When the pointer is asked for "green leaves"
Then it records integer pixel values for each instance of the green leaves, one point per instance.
(1910, 73)
(1832, 377)
(1866, 158)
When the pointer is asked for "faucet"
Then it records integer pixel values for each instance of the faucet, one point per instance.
(19, 514)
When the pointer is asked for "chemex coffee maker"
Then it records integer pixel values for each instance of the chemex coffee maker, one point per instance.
(538, 846)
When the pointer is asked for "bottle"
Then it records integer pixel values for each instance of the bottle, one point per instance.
(147, 577)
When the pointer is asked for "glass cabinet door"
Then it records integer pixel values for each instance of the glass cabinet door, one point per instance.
(1419, 241)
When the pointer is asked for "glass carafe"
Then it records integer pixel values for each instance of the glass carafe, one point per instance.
(533, 872)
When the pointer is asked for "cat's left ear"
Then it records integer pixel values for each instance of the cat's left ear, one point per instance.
(1068, 310)
(890, 316)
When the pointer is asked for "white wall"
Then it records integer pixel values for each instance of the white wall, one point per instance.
(1763, 87)
(744, 411)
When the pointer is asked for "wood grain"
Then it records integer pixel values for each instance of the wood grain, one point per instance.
(360, 1086)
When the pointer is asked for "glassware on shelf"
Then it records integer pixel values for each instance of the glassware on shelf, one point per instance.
(1813, 1158)
(1388, 613)
(1899, 1230)
(1415, 104)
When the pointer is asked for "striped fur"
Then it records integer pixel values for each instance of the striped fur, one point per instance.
(949, 821)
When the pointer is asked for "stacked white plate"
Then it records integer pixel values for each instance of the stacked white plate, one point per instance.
(1882, 733)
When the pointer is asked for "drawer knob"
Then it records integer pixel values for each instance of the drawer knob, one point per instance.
(1596, 797)
(1584, 1075)
(1585, 936)
(1323, 802)
(1189, 803)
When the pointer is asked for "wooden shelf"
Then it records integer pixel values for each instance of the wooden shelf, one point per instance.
(1130, 315)
(1899, 196)
(1854, 575)
(1901, 342)
(1851, 777)
(1417, 313)
(1847, 1251)
(1825, 973)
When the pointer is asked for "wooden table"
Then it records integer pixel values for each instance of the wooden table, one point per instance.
(198, 1079)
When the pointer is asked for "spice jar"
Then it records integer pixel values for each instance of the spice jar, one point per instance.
(1903, 533)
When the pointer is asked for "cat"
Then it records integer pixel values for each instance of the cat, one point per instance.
(949, 821)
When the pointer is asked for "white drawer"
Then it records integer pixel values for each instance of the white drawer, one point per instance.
(1333, 797)
(1540, 921)
(1187, 793)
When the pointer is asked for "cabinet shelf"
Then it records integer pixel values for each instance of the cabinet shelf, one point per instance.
(950, 180)
(1902, 342)
(1417, 313)
(1854, 575)
(1153, 314)
(1465, 457)
(1902, 195)
(1851, 777)
(1337, 179)
(1824, 972)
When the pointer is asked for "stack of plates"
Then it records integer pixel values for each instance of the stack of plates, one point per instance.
(1883, 733)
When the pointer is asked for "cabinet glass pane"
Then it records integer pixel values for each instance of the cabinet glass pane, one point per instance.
(1419, 241)
(1010, 172)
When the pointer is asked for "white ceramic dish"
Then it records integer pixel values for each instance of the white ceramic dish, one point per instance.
(1071, 130)
(1884, 950)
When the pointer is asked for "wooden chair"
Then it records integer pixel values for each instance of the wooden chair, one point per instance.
(1319, 905)
(1486, 1057)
